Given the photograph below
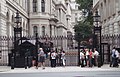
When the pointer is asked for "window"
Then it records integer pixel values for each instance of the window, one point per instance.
(75, 14)
(35, 30)
(75, 19)
(50, 30)
(105, 2)
(42, 5)
(34, 5)
(76, 7)
(43, 30)
(0, 54)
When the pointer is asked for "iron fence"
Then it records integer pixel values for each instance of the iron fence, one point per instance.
(112, 40)
(67, 43)
(7, 45)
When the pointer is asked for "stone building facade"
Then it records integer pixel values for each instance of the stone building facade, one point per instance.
(46, 17)
(109, 11)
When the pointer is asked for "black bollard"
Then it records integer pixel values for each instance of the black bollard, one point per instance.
(29, 61)
(12, 62)
(25, 62)
(99, 61)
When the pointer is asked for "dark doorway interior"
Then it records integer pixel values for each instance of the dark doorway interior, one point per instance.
(105, 52)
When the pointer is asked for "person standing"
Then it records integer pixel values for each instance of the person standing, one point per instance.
(113, 57)
(82, 57)
(96, 54)
(90, 58)
(33, 61)
(63, 58)
(116, 58)
(53, 59)
(87, 56)
(41, 58)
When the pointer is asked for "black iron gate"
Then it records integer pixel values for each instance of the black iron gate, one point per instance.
(105, 52)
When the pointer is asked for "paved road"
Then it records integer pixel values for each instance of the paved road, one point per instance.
(65, 74)
(70, 71)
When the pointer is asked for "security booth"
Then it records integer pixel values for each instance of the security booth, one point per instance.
(23, 56)
(27, 52)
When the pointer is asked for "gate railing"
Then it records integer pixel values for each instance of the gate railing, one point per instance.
(7, 44)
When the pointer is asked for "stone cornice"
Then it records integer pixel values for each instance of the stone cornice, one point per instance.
(95, 7)
(17, 7)
(39, 18)
(61, 25)
(60, 4)
(2, 16)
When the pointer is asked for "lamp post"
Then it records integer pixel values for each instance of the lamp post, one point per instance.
(78, 39)
(36, 44)
(17, 31)
(17, 36)
(97, 37)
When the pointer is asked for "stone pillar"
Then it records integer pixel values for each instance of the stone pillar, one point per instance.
(116, 28)
(53, 30)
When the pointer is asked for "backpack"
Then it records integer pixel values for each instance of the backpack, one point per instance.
(114, 55)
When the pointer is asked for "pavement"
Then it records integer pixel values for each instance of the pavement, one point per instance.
(7, 69)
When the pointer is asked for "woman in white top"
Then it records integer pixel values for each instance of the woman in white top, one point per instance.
(87, 56)
(53, 58)
(82, 57)
(95, 54)
(63, 57)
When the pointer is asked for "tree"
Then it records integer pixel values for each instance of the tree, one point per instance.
(86, 7)
(82, 31)
(84, 27)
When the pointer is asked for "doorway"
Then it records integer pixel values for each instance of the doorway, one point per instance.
(105, 53)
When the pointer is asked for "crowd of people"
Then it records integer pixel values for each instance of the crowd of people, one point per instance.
(56, 58)
(88, 57)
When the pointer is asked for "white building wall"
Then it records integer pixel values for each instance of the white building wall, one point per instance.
(110, 17)
(95, 2)
(3, 18)
(7, 24)
(39, 19)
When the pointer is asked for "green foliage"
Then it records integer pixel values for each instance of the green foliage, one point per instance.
(86, 6)
(84, 27)
(82, 31)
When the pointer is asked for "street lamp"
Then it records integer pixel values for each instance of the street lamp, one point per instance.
(78, 39)
(17, 31)
(97, 36)
(17, 36)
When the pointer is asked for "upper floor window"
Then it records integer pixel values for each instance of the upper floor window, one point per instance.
(76, 7)
(35, 30)
(75, 14)
(50, 30)
(76, 20)
(42, 5)
(34, 5)
(43, 30)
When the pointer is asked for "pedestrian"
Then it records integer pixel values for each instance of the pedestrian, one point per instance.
(82, 57)
(116, 58)
(113, 56)
(96, 54)
(87, 56)
(90, 58)
(59, 57)
(53, 58)
(63, 58)
(33, 61)
(41, 58)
